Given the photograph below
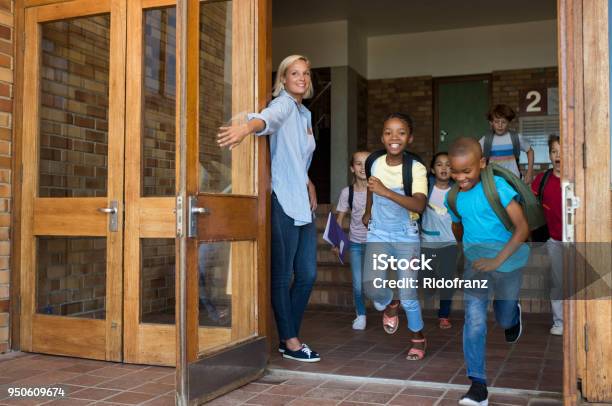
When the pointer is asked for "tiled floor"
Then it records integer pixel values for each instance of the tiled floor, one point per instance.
(85, 382)
(534, 363)
(312, 391)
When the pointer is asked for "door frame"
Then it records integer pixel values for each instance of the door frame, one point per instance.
(109, 329)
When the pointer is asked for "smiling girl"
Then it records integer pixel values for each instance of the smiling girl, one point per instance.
(391, 217)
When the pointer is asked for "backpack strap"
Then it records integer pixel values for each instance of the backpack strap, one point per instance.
(516, 147)
(451, 198)
(370, 161)
(488, 144)
(407, 174)
(490, 191)
(542, 184)
(350, 196)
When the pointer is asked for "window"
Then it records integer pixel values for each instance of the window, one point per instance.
(536, 130)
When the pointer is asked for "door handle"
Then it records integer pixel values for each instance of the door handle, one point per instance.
(113, 219)
(192, 212)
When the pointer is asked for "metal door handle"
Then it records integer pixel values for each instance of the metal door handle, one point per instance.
(113, 220)
(192, 220)
(200, 210)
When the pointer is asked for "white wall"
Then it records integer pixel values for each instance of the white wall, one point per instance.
(463, 51)
(325, 44)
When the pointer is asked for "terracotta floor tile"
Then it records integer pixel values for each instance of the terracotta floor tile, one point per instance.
(161, 401)
(340, 384)
(130, 398)
(123, 383)
(289, 390)
(407, 400)
(86, 380)
(428, 392)
(308, 402)
(328, 393)
(508, 399)
(110, 372)
(370, 397)
(255, 387)
(153, 388)
(69, 402)
(270, 400)
(381, 388)
(93, 393)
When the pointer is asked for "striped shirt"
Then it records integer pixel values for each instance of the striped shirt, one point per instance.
(502, 152)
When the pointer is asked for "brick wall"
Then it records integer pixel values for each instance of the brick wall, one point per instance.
(415, 96)
(6, 96)
(71, 272)
(507, 84)
(409, 95)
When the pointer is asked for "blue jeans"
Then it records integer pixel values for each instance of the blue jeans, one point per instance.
(294, 257)
(505, 286)
(444, 264)
(402, 242)
(357, 250)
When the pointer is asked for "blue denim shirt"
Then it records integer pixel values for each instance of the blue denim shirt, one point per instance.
(291, 146)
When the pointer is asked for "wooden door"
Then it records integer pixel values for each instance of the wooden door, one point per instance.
(72, 179)
(223, 289)
(584, 89)
(150, 183)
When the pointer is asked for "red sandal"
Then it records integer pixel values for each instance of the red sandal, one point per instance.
(416, 354)
(391, 320)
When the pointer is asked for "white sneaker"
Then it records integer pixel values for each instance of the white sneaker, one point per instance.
(379, 307)
(359, 323)
(556, 330)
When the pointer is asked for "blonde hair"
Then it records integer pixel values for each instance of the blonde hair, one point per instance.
(282, 70)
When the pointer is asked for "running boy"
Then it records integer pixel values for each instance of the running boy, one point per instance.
(353, 198)
(391, 217)
(502, 146)
(549, 183)
(492, 253)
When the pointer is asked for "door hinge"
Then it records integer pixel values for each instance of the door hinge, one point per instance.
(179, 216)
(586, 337)
(23, 43)
(21, 173)
(570, 203)
(584, 155)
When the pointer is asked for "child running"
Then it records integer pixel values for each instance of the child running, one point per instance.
(437, 239)
(492, 253)
(353, 199)
(391, 215)
(547, 186)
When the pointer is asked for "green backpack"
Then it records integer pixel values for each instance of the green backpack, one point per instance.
(531, 207)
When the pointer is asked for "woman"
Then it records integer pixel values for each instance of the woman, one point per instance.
(294, 199)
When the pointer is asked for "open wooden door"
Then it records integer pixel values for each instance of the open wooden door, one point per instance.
(222, 284)
(584, 93)
(72, 174)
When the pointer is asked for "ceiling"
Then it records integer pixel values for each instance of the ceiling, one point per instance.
(385, 17)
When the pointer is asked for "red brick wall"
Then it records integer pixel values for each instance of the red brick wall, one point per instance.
(6, 109)
(408, 95)
(507, 84)
(415, 96)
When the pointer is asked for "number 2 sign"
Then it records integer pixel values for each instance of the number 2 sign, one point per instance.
(533, 102)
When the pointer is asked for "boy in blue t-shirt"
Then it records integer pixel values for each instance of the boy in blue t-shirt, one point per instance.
(492, 253)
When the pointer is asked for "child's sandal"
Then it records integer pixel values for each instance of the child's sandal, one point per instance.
(417, 354)
(445, 323)
(391, 320)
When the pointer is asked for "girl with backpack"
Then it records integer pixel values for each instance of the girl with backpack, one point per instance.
(437, 239)
(397, 195)
(353, 198)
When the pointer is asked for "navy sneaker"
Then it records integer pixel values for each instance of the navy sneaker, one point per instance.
(282, 347)
(476, 396)
(304, 354)
(513, 333)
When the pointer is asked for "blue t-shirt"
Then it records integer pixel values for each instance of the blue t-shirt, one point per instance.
(484, 235)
